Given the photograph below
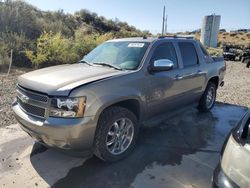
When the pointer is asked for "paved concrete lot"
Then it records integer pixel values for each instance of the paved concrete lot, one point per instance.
(181, 152)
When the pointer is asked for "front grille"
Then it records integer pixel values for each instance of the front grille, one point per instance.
(33, 95)
(31, 102)
(33, 110)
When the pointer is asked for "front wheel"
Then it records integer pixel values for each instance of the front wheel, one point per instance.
(116, 134)
(208, 98)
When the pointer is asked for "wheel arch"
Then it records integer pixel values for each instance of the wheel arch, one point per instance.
(215, 80)
(132, 104)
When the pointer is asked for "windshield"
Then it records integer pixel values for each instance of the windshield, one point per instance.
(123, 55)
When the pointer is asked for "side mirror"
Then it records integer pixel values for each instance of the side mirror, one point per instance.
(245, 134)
(162, 65)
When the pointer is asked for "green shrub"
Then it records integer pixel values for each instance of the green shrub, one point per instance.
(4, 56)
(51, 50)
(84, 43)
(18, 43)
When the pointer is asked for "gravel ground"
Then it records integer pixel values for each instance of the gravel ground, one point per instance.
(7, 95)
(237, 85)
(235, 91)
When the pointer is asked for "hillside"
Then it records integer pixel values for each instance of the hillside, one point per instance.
(24, 28)
(231, 38)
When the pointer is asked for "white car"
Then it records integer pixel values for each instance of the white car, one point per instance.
(234, 167)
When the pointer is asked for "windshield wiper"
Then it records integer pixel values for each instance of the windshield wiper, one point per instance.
(108, 65)
(84, 61)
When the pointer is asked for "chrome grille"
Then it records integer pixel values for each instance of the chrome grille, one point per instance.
(32, 95)
(31, 102)
(30, 109)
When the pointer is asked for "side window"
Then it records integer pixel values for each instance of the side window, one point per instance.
(165, 51)
(188, 53)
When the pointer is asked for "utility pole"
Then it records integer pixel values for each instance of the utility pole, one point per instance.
(163, 21)
(166, 24)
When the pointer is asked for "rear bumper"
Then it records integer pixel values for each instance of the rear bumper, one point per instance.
(220, 179)
(74, 135)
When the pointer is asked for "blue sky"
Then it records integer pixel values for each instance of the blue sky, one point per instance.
(147, 14)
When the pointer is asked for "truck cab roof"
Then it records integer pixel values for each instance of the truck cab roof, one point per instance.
(153, 39)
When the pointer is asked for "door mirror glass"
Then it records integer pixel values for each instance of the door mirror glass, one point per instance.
(162, 65)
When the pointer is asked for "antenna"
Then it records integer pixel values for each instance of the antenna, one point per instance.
(163, 21)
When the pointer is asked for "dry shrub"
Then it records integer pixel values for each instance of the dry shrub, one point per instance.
(215, 51)
(233, 34)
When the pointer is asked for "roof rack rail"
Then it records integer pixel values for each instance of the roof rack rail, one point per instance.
(177, 36)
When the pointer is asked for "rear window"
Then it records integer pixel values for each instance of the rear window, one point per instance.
(188, 53)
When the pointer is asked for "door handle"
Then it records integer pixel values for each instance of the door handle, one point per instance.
(178, 77)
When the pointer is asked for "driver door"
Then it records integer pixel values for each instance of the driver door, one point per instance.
(164, 93)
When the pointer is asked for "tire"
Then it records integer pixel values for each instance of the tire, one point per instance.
(243, 59)
(204, 104)
(107, 132)
(240, 58)
(248, 63)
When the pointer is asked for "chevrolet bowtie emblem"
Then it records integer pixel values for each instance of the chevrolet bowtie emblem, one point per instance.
(24, 99)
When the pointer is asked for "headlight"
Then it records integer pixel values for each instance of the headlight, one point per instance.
(68, 107)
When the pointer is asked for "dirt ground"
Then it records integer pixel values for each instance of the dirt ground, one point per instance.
(237, 85)
(7, 95)
(162, 158)
(235, 91)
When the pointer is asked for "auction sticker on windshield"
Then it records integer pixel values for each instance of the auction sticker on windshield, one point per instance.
(135, 45)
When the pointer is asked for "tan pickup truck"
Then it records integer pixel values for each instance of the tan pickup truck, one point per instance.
(97, 106)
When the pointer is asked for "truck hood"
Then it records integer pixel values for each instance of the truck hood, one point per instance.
(60, 80)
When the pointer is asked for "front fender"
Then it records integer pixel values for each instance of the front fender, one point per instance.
(108, 100)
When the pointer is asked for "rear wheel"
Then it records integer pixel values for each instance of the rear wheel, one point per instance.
(245, 59)
(248, 63)
(116, 134)
(208, 98)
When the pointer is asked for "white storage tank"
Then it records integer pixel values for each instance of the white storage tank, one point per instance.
(210, 30)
